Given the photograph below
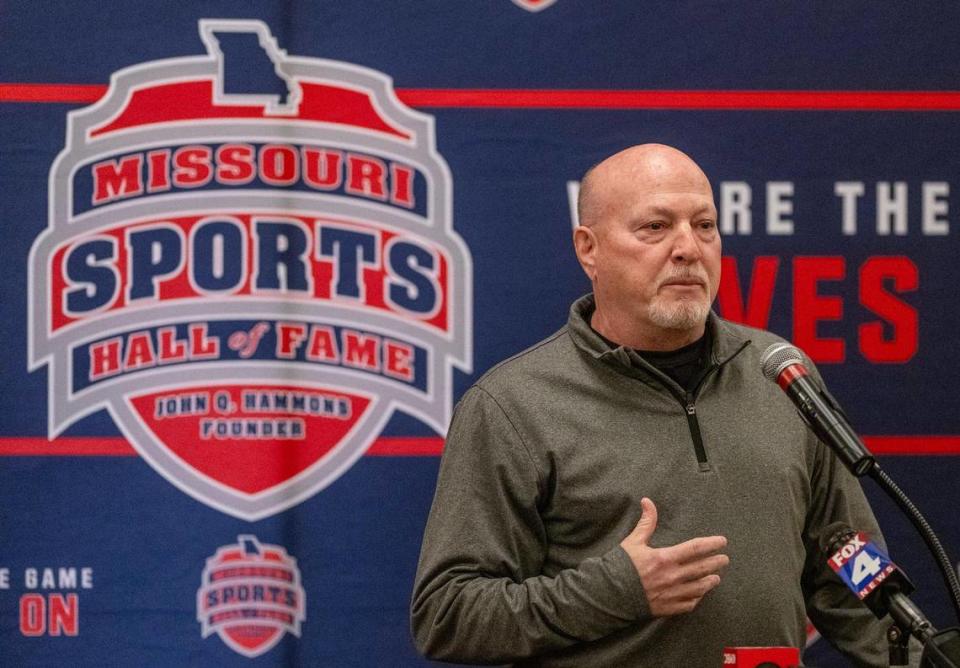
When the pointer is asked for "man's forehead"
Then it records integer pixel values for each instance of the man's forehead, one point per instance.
(670, 203)
(648, 178)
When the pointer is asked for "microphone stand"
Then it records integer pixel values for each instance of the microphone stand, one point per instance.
(919, 522)
(941, 649)
(860, 461)
(783, 364)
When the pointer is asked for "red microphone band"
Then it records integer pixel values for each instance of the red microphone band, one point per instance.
(790, 374)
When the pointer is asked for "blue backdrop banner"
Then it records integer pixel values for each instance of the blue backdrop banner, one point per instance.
(254, 253)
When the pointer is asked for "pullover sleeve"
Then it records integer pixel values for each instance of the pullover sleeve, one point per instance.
(479, 594)
(844, 621)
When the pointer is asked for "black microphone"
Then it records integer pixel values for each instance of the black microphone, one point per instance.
(871, 575)
(874, 579)
(783, 364)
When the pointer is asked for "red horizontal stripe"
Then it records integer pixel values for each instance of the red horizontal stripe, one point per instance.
(387, 446)
(64, 93)
(114, 446)
(428, 446)
(789, 100)
(501, 98)
(913, 445)
(67, 446)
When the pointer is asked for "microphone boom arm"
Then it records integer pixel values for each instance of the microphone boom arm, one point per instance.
(784, 364)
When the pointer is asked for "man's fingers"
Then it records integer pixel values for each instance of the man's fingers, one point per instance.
(684, 598)
(698, 570)
(668, 577)
(648, 521)
(696, 548)
(696, 589)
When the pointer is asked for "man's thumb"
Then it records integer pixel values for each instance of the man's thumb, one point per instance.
(648, 520)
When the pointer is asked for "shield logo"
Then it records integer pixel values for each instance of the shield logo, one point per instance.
(250, 595)
(250, 263)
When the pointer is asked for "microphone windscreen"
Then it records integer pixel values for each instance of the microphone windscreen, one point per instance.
(778, 357)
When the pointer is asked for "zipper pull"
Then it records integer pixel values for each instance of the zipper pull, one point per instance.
(691, 408)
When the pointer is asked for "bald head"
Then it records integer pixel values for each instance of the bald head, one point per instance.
(633, 173)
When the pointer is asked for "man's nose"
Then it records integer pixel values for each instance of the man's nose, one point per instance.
(686, 246)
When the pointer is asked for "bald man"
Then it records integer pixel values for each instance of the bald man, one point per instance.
(631, 491)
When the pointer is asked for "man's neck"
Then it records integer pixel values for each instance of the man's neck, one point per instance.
(639, 337)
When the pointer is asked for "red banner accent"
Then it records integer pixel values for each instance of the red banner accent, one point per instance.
(60, 93)
(774, 100)
(425, 446)
(686, 99)
(115, 446)
(913, 445)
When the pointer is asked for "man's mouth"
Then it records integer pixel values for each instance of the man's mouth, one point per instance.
(683, 282)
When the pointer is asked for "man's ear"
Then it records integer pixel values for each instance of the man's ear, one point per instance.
(585, 244)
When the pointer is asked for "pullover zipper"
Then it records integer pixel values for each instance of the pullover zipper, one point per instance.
(694, 425)
(688, 401)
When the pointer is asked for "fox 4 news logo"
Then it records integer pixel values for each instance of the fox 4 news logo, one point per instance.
(251, 595)
(861, 565)
(250, 264)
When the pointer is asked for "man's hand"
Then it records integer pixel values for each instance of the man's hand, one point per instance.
(674, 578)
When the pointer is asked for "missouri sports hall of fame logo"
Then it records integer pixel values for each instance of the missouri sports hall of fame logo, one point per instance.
(250, 595)
(250, 263)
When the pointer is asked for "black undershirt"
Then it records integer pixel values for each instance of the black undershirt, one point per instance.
(683, 365)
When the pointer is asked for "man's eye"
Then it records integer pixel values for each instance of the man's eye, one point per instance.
(655, 227)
